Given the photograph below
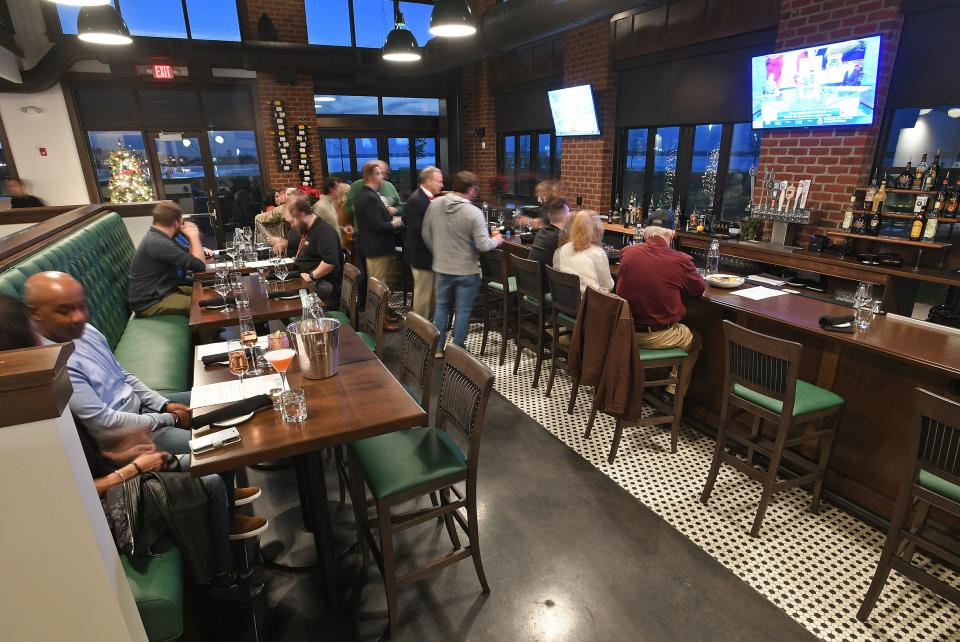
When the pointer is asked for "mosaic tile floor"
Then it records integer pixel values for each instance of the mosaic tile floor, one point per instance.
(816, 568)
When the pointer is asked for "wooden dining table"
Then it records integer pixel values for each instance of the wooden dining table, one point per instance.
(362, 400)
(262, 308)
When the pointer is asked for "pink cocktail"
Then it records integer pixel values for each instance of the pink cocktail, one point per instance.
(281, 359)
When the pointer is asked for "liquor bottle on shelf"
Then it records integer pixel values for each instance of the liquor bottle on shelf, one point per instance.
(876, 178)
(880, 198)
(905, 179)
(920, 173)
(916, 230)
(930, 180)
(930, 229)
(868, 198)
(847, 223)
(860, 222)
(940, 203)
(953, 201)
(876, 220)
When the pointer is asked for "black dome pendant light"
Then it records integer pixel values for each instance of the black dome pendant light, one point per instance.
(400, 45)
(102, 25)
(452, 19)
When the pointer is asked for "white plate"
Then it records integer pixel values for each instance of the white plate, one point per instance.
(233, 421)
(735, 283)
(218, 306)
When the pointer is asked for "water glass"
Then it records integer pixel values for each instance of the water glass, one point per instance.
(274, 395)
(863, 314)
(294, 404)
(242, 297)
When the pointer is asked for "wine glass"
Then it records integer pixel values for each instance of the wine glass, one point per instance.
(281, 270)
(280, 353)
(231, 248)
(239, 365)
(248, 339)
(223, 288)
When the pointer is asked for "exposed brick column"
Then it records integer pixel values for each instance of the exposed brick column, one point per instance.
(587, 163)
(479, 111)
(289, 17)
(836, 158)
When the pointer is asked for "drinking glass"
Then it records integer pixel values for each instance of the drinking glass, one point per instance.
(281, 269)
(231, 249)
(864, 293)
(223, 287)
(280, 353)
(248, 338)
(242, 297)
(863, 314)
(222, 270)
(294, 403)
(239, 365)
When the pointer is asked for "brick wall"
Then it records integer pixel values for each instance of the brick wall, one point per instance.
(837, 159)
(288, 16)
(479, 111)
(587, 164)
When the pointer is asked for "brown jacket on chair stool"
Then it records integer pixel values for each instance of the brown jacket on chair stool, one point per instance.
(604, 353)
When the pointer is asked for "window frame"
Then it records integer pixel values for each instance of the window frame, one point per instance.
(353, 28)
(382, 137)
(51, 19)
(534, 169)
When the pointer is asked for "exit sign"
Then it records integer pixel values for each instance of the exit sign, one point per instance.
(163, 72)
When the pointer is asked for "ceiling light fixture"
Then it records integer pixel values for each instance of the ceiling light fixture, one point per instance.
(924, 112)
(400, 45)
(102, 25)
(452, 19)
(324, 99)
(953, 112)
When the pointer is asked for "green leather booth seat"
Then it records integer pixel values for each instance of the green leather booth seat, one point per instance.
(157, 587)
(98, 255)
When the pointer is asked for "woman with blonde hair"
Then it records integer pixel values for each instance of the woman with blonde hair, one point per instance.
(583, 255)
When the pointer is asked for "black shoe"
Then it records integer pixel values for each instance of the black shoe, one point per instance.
(230, 589)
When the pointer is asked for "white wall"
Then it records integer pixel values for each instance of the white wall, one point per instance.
(57, 178)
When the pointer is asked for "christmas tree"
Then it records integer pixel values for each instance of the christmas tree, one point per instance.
(128, 182)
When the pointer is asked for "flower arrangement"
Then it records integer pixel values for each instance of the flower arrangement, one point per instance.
(311, 192)
(499, 186)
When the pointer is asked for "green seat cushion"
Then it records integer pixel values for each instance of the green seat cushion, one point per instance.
(511, 283)
(938, 485)
(566, 318)
(368, 340)
(399, 461)
(648, 354)
(339, 316)
(809, 398)
(157, 350)
(531, 301)
(157, 587)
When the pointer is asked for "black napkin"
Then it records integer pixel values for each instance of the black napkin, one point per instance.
(211, 359)
(282, 293)
(235, 409)
(831, 323)
(206, 303)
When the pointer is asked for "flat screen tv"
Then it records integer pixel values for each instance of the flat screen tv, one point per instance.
(573, 111)
(823, 86)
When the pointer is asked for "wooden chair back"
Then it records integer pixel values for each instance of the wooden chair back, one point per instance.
(494, 268)
(529, 280)
(464, 391)
(375, 311)
(936, 436)
(762, 363)
(348, 292)
(564, 291)
(418, 345)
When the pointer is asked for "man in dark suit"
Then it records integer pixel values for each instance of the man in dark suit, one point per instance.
(416, 252)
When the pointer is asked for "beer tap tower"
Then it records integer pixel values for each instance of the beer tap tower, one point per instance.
(780, 201)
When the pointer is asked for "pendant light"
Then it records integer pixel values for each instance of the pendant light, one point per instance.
(102, 25)
(400, 45)
(452, 19)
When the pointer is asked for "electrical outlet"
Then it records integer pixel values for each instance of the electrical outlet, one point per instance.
(483, 144)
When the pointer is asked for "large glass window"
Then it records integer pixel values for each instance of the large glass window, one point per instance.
(338, 158)
(365, 150)
(635, 167)
(527, 158)
(213, 20)
(666, 149)
(425, 154)
(105, 143)
(399, 159)
(915, 132)
(744, 154)
(369, 105)
(236, 169)
(395, 106)
(209, 19)
(328, 22)
(417, 16)
(160, 18)
(702, 185)
(372, 21)
(345, 156)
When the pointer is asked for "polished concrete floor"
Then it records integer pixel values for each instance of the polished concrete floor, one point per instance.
(569, 556)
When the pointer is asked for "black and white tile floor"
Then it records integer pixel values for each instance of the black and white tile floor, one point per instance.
(816, 568)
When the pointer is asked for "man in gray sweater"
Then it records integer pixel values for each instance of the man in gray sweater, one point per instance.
(456, 233)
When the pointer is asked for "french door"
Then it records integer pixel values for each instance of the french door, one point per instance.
(345, 154)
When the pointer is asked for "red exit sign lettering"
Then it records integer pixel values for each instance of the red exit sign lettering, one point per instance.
(163, 72)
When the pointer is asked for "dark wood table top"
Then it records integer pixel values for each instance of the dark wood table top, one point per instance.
(261, 308)
(362, 400)
(916, 342)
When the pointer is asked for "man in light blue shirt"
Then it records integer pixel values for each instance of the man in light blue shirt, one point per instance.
(105, 396)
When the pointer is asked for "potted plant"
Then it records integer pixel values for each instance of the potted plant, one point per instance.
(750, 228)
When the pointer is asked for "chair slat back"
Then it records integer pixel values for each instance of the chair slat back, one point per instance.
(939, 440)
(529, 281)
(348, 292)
(419, 344)
(564, 291)
(464, 390)
(493, 267)
(762, 363)
(374, 311)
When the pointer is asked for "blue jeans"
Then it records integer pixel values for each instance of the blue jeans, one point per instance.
(460, 291)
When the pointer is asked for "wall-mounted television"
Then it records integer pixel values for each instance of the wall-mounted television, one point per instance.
(823, 86)
(573, 111)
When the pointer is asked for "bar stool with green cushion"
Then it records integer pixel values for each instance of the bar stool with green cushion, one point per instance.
(347, 314)
(499, 298)
(156, 583)
(761, 379)
(564, 307)
(374, 315)
(531, 313)
(418, 345)
(407, 465)
(929, 476)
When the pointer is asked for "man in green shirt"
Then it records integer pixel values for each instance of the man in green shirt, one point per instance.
(387, 191)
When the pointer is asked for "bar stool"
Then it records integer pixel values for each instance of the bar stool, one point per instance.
(564, 307)
(531, 313)
(499, 291)
(408, 464)
(347, 313)
(374, 314)
(761, 379)
(418, 345)
(930, 476)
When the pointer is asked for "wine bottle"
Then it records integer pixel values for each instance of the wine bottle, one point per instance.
(876, 220)
(916, 230)
(953, 201)
(860, 222)
(930, 180)
(905, 179)
(930, 229)
(920, 173)
(940, 203)
(848, 215)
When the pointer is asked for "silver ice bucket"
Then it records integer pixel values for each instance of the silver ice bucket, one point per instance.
(318, 342)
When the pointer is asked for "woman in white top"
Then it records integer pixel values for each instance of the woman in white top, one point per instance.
(582, 254)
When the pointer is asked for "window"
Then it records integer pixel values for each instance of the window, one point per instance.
(425, 154)
(208, 19)
(345, 155)
(103, 144)
(372, 21)
(526, 158)
(338, 157)
(236, 169)
(915, 132)
(345, 105)
(399, 159)
(328, 22)
(411, 106)
(695, 167)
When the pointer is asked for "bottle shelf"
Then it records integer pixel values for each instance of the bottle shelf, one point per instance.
(892, 240)
(942, 219)
(891, 190)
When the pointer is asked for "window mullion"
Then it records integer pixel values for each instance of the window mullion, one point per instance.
(186, 19)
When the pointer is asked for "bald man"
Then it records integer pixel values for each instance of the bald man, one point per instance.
(105, 396)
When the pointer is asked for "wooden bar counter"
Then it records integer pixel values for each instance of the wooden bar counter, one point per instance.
(875, 371)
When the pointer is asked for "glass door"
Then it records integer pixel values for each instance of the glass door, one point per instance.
(236, 176)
